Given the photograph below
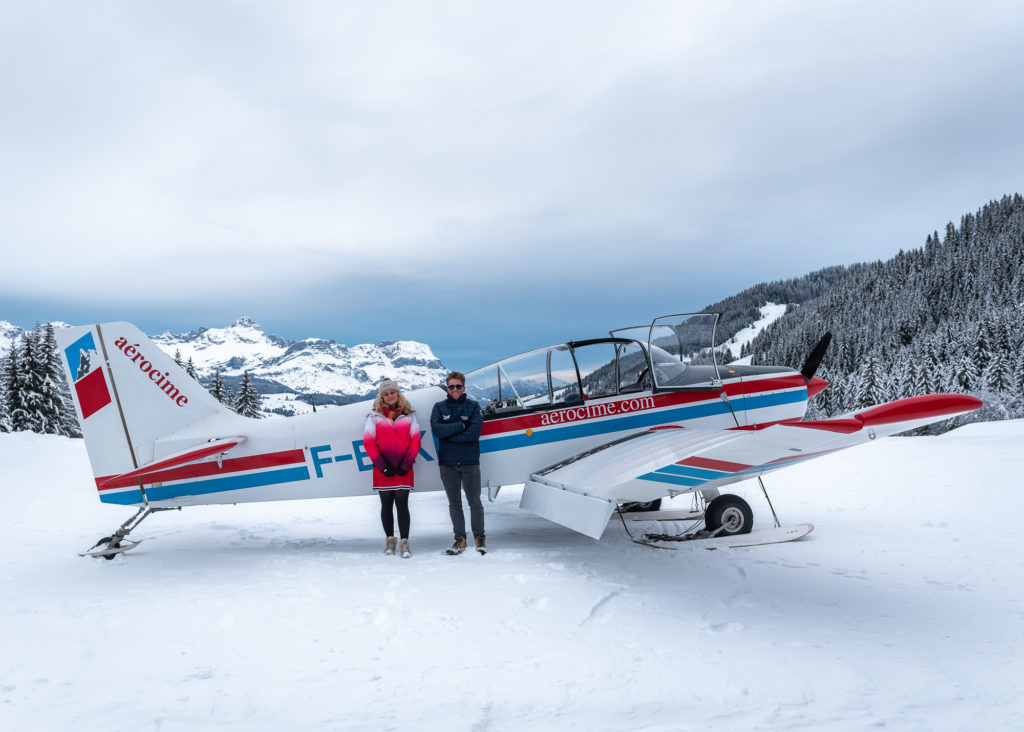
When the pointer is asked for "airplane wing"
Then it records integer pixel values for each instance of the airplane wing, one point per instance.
(582, 492)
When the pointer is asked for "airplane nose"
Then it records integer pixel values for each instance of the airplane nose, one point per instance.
(815, 386)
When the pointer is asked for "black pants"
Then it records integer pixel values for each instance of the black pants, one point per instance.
(400, 500)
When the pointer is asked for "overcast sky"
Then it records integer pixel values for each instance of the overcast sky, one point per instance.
(484, 177)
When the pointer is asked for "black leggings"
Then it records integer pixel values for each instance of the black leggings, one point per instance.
(399, 499)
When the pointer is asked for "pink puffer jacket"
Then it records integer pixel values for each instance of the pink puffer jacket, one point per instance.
(395, 442)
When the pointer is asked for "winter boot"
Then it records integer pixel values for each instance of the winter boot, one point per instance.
(403, 547)
(389, 547)
(458, 547)
(481, 544)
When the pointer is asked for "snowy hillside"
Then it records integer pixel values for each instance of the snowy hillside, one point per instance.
(901, 611)
(770, 312)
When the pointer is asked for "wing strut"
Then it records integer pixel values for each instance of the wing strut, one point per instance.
(765, 491)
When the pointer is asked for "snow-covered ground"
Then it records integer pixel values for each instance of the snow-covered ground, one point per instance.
(903, 609)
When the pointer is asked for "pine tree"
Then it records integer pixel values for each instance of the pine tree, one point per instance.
(25, 404)
(249, 401)
(965, 374)
(870, 385)
(190, 369)
(5, 393)
(177, 356)
(1019, 375)
(217, 388)
(64, 421)
(998, 375)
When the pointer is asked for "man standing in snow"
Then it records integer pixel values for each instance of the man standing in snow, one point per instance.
(457, 422)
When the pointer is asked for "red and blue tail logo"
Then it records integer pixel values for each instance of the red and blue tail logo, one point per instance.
(90, 383)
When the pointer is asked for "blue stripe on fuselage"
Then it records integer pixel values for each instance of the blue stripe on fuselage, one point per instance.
(215, 485)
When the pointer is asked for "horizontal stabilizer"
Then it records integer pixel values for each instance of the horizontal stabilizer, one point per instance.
(191, 455)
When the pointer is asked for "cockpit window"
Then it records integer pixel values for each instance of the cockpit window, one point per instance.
(533, 380)
(597, 364)
(482, 385)
(565, 387)
(633, 372)
(524, 381)
(682, 349)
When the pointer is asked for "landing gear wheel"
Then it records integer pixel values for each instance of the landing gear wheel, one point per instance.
(730, 512)
(638, 506)
(107, 542)
(114, 545)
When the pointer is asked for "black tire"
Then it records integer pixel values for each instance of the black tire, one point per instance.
(638, 506)
(733, 512)
(114, 545)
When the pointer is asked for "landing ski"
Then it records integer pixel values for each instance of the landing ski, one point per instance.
(108, 552)
(762, 537)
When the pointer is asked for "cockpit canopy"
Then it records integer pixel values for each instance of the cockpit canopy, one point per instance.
(675, 352)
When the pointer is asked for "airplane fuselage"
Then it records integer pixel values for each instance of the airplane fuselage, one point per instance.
(321, 455)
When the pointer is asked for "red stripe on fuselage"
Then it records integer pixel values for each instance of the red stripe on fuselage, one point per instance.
(756, 386)
(202, 470)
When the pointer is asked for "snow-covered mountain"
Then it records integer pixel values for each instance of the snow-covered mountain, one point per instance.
(9, 335)
(283, 368)
(310, 366)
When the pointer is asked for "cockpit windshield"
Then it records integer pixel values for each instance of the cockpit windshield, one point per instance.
(536, 379)
(561, 375)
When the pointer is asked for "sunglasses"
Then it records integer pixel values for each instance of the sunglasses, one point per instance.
(455, 387)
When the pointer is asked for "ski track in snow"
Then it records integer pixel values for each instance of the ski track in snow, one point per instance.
(902, 610)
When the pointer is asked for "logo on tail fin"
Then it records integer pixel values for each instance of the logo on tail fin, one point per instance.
(90, 383)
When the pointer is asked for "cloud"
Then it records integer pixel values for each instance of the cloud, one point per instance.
(238, 154)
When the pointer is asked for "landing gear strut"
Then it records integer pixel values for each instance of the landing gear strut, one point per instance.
(109, 547)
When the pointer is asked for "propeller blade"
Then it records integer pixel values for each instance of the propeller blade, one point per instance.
(814, 360)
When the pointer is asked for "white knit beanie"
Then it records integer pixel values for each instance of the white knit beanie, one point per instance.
(387, 385)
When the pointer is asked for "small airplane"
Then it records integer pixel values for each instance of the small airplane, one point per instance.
(587, 427)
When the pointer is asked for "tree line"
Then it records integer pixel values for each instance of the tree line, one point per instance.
(34, 395)
(945, 317)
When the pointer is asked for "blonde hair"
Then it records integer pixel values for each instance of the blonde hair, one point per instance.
(403, 404)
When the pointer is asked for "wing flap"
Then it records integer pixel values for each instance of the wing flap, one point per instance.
(598, 471)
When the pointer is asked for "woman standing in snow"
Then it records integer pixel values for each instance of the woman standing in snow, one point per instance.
(392, 441)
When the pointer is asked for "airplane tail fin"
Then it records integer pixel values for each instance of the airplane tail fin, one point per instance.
(128, 394)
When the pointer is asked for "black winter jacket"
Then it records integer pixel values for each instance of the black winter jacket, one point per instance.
(457, 424)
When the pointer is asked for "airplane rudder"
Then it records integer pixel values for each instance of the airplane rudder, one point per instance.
(92, 394)
(152, 388)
